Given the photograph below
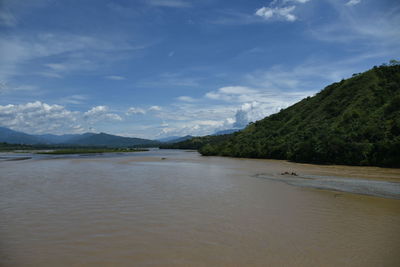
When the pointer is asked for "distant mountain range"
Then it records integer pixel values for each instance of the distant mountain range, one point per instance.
(174, 139)
(14, 137)
(86, 139)
(90, 139)
(228, 131)
(177, 139)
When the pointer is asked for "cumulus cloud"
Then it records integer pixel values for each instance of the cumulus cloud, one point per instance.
(280, 10)
(135, 111)
(38, 117)
(100, 113)
(252, 111)
(241, 119)
(353, 2)
(284, 13)
(298, 1)
(154, 108)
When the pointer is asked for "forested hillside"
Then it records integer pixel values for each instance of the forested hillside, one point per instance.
(354, 121)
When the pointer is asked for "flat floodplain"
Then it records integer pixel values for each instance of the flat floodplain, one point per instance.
(177, 208)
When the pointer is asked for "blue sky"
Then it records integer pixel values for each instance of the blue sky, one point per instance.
(156, 68)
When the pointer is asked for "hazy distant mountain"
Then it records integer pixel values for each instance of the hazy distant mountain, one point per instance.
(56, 139)
(86, 139)
(175, 139)
(15, 137)
(227, 131)
(103, 139)
(79, 138)
(167, 139)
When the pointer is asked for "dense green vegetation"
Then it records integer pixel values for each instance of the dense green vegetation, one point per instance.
(196, 142)
(354, 121)
(5, 147)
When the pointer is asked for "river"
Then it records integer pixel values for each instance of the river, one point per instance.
(177, 208)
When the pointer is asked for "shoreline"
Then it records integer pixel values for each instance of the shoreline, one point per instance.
(372, 181)
(383, 189)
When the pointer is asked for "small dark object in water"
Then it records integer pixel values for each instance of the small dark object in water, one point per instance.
(288, 173)
(163, 158)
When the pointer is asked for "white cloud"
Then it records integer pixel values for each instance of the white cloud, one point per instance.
(284, 13)
(115, 77)
(154, 108)
(100, 113)
(241, 119)
(253, 111)
(96, 110)
(113, 117)
(353, 2)
(298, 1)
(38, 117)
(135, 111)
(280, 10)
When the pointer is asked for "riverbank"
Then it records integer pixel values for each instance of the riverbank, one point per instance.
(372, 181)
(383, 189)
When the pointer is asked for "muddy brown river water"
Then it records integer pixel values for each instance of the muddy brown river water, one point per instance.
(188, 210)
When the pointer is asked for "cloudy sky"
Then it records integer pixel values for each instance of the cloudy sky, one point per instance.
(156, 68)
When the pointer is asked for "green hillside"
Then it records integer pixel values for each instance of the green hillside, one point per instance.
(354, 121)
